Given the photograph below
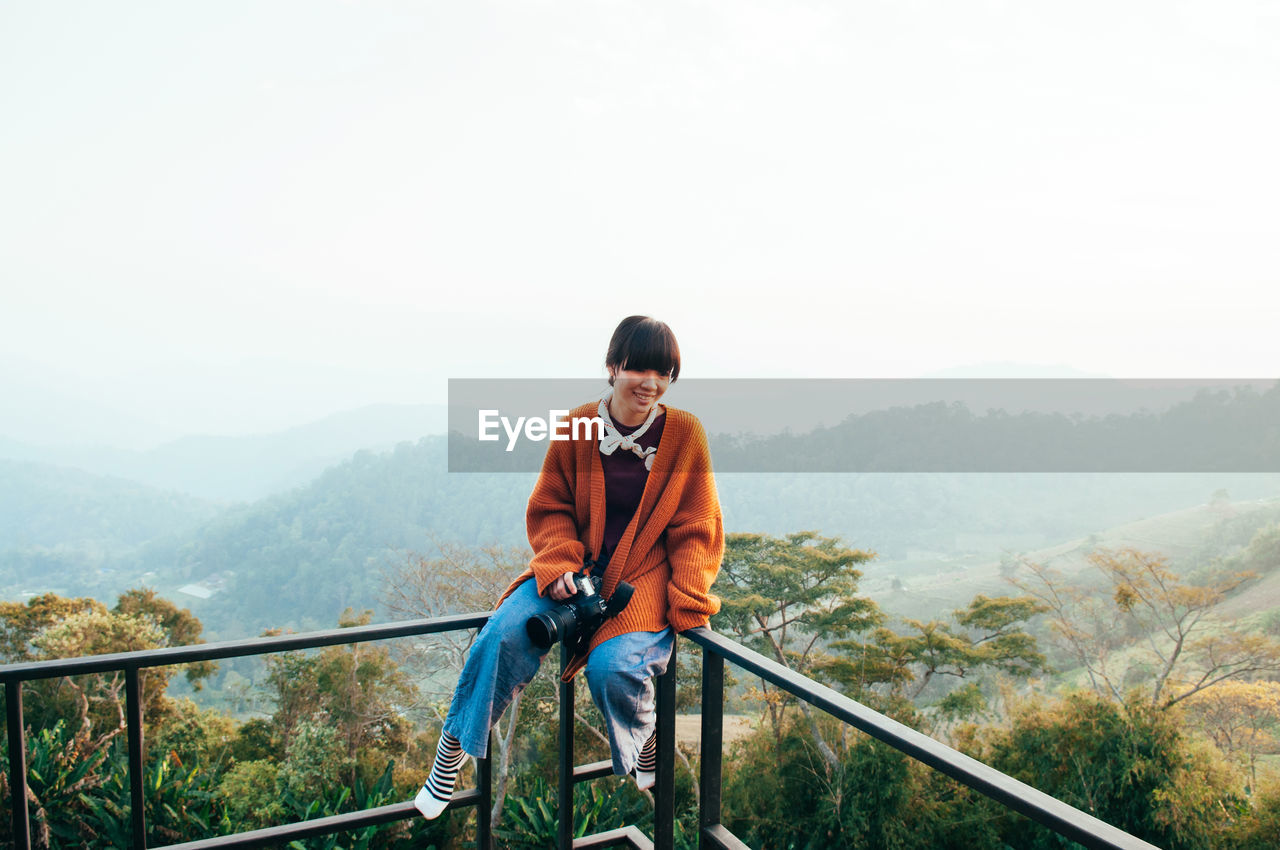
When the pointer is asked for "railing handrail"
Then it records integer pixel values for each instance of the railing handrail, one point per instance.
(1004, 789)
(164, 656)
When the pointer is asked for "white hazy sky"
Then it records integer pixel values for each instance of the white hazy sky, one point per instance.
(237, 216)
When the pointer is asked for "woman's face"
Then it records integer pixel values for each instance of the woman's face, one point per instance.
(635, 393)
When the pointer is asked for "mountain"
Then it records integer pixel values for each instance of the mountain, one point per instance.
(43, 505)
(1009, 369)
(298, 558)
(249, 467)
(61, 528)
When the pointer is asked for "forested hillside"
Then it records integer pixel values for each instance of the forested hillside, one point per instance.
(66, 528)
(300, 558)
(296, 559)
(43, 505)
(244, 468)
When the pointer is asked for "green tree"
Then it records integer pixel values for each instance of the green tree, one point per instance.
(1129, 765)
(784, 597)
(1262, 555)
(879, 798)
(1146, 624)
(50, 626)
(180, 626)
(1262, 830)
(357, 689)
(248, 792)
(987, 635)
(78, 722)
(796, 598)
(315, 756)
(193, 735)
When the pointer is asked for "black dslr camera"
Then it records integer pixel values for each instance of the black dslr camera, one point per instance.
(580, 616)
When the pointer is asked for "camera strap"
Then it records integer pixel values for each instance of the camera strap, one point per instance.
(596, 566)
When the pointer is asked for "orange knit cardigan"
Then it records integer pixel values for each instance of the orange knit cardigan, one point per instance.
(670, 551)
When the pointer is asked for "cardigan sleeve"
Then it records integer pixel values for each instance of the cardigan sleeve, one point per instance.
(550, 520)
(695, 542)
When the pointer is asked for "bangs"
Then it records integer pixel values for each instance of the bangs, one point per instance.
(641, 343)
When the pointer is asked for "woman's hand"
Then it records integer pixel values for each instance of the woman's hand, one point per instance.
(562, 588)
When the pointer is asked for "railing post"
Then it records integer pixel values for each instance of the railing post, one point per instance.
(484, 808)
(133, 711)
(664, 809)
(712, 745)
(17, 764)
(564, 833)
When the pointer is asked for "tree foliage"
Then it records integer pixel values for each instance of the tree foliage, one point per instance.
(332, 746)
(988, 635)
(784, 597)
(1240, 718)
(338, 737)
(796, 599)
(356, 692)
(1129, 765)
(876, 798)
(1148, 626)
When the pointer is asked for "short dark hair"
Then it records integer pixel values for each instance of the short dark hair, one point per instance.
(641, 343)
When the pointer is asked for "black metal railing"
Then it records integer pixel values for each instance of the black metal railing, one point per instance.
(1065, 820)
(1054, 814)
(13, 675)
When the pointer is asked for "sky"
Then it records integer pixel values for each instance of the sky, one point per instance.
(234, 217)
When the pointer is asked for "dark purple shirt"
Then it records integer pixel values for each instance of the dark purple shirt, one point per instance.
(624, 479)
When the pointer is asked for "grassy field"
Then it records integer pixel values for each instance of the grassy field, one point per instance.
(933, 588)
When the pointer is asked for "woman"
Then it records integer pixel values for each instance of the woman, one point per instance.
(637, 505)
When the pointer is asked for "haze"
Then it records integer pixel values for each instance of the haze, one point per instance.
(236, 217)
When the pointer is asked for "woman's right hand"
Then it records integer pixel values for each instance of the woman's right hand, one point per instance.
(562, 588)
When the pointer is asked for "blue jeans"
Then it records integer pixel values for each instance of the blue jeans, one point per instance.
(503, 661)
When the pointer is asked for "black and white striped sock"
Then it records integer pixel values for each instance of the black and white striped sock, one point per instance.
(647, 763)
(648, 760)
(444, 773)
(438, 789)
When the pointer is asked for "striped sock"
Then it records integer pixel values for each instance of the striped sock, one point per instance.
(435, 794)
(648, 760)
(647, 763)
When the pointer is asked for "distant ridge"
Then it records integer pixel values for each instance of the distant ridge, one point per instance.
(1010, 369)
(249, 467)
(43, 505)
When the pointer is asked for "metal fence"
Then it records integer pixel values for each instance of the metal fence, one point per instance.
(14, 675)
(1054, 814)
(1005, 790)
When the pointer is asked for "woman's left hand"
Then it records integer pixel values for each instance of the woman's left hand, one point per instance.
(562, 588)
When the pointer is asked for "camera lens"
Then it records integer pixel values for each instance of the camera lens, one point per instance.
(545, 629)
